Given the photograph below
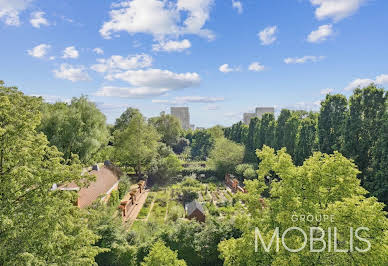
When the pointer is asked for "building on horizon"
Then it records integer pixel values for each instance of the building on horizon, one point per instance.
(183, 115)
(247, 117)
(259, 112)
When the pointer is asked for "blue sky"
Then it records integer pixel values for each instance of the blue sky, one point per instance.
(219, 57)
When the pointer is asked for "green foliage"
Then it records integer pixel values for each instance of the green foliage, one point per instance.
(197, 243)
(249, 173)
(378, 183)
(306, 140)
(240, 169)
(331, 123)
(323, 185)
(225, 156)
(250, 156)
(37, 225)
(189, 195)
(75, 128)
(201, 144)
(125, 118)
(113, 237)
(165, 167)
(114, 198)
(216, 132)
(124, 186)
(168, 127)
(136, 145)
(363, 127)
(198, 171)
(162, 255)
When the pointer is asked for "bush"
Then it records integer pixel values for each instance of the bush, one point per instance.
(225, 156)
(123, 188)
(114, 198)
(189, 195)
(241, 168)
(198, 170)
(249, 173)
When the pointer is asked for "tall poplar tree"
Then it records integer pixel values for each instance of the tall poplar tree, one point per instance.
(331, 123)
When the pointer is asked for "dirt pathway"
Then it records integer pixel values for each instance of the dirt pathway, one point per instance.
(137, 207)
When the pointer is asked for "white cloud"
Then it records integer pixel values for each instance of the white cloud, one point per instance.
(70, 52)
(256, 67)
(39, 51)
(190, 99)
(382, 79)
(362, 83)
(225, 68)
(98, 50)
(358, 83)
(172, 46)
(37, 19)
(237, 5)
(336, 9)
(321, 34)
(72, 73)
(157, 78)
(117, 63)
(129, 92)
(304, 59)
(159, 18)
(10, 10)
(198, 99)
(267, 36)
(150, 82)
(326, 91)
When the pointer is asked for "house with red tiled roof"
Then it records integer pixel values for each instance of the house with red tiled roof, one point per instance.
(106, 181)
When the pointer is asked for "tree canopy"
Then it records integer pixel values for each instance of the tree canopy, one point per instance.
(75, 128)
(37, 225)
(323, 185)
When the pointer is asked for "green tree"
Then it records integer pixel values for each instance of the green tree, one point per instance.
(367, 106)
(280, 139)
(168, 127)
(290, 134)
(225, 156)
(265, 131)
(323, 185)
(38, 226)
(75, 128)
(250, 156)
(105, 223)
(306, 140)
(163, 169)
(331, 123)
(162, 255)
(377, 184)
(136, 145)
(202, 143)
(123, 121)
(216, 131)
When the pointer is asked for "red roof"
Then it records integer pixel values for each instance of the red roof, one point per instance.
(105, 180)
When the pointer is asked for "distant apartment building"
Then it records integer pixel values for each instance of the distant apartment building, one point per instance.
(262, 110)
(183, 115)
(247, 117)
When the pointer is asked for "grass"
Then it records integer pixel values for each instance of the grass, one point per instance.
(158, 212)
(146, 207)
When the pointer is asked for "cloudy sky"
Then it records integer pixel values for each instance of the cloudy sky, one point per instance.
(219, 57)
